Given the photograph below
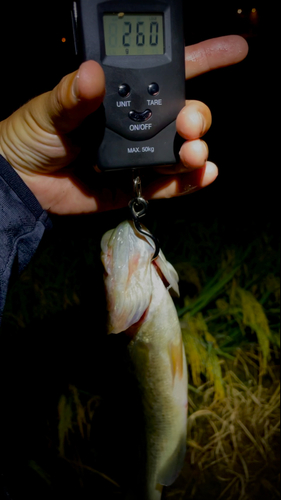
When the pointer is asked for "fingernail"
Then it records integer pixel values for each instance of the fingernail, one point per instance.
(210, 173)
(198, 178)
(188, 188)
(188, 183)
(207, 149)
(75, 88)
(200, 153)
(202, 123)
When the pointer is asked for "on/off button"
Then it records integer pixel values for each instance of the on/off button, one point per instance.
(140, 117)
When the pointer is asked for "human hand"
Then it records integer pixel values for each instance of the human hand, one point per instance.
(35, 139)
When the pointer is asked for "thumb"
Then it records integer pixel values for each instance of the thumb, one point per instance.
(76, 96)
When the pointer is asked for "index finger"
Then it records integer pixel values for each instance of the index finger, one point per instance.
(214, 53)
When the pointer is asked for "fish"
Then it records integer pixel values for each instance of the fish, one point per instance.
(139, 303)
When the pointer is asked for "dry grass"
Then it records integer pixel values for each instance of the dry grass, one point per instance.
(231, 321)
(233, 443)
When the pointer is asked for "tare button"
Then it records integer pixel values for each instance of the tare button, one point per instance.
(153, 88)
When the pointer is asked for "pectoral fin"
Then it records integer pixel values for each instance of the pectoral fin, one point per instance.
(167, 272)
(174, 464)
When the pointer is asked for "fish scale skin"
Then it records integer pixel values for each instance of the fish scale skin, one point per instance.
(163, 396)
(156, 351)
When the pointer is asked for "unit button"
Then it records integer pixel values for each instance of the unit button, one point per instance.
(153, 89)
(140, 117)
(124, 90)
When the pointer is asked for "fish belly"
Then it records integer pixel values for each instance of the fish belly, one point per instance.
(159, 363)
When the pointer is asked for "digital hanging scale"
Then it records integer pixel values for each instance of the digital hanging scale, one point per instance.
(140, 46)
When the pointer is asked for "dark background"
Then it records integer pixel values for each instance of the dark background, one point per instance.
(243, 202)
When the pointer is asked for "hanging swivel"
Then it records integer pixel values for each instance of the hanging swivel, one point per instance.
(138, 207)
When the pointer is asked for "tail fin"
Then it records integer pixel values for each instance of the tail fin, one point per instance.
(156, 493)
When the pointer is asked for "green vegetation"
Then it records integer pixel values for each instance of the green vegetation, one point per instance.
(229, 312)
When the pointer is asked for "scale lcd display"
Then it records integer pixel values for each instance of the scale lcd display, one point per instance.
(127, 34)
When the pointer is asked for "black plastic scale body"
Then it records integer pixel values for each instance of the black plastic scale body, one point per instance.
(140, 46)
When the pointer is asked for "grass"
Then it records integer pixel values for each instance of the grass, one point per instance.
(229, 312)
(233, 441)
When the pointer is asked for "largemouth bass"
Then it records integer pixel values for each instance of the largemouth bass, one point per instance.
(140, 305)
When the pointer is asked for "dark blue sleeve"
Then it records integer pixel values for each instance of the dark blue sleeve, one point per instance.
(22, 225)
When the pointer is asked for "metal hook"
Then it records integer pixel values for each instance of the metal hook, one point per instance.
(137, 187)
(138, 207)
